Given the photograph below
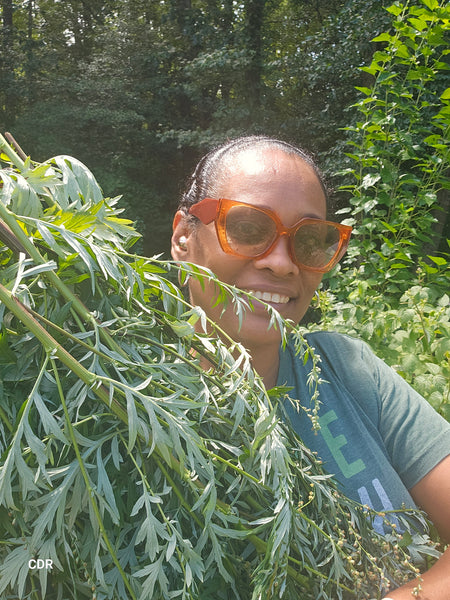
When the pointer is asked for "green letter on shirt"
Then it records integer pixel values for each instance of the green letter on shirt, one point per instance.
(335, 444)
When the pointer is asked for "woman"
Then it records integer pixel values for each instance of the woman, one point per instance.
(255, 214)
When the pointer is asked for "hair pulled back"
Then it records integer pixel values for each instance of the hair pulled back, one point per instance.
(211, 170)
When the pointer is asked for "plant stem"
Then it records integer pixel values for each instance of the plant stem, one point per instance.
(51, 346)
(9, 239)
(87, 482)
(11, 154)
(10, 219)
(15, 145)
(5, 420)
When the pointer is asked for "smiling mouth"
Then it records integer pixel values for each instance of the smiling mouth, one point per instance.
(269, 297)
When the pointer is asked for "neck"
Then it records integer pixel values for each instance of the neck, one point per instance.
(264, 357)
(266, 362)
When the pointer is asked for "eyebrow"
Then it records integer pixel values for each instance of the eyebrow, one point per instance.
(313, 216)
(307, 216)
(269, 208)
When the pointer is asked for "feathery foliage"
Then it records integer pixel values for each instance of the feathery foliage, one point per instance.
(138, 473)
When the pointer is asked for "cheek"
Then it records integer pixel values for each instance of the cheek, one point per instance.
(311, 282)
(207, 252)
(204, 246)
(313, 279)
(205, 293)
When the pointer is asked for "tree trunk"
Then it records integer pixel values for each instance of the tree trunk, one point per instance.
(30, 67)
(254, 13)
(7, 12)
(226, 25)
(7, 113)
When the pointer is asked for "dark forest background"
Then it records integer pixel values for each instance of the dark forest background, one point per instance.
(138, 90)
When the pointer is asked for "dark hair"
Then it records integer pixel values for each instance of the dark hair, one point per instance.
(211, 169)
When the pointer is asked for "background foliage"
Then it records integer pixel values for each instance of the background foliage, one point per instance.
(393, 289)
(138, 89)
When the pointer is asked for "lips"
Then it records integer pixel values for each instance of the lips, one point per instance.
(270, 297)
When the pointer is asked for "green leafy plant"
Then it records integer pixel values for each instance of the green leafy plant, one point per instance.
(138, 473)
(414, 337)
(400, 146)
(393, 289)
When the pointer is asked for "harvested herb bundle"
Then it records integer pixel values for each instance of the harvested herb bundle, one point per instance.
(130, 468)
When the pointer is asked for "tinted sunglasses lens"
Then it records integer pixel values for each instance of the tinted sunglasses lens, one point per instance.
(249, 231)
(316, 245)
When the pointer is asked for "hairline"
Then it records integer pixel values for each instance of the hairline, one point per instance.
(215, 165)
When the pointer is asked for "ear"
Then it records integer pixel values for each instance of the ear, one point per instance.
(181, 229)
(176, 220)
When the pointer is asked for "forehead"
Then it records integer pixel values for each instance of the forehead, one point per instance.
(273, 179)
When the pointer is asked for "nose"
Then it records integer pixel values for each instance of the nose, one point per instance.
(279, 259)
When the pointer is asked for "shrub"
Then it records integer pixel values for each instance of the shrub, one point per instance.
(393, 287)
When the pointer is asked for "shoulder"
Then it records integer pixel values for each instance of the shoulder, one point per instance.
(341, 358)
(341, 349)
(413, 434)
(331, 340)
(351, 363)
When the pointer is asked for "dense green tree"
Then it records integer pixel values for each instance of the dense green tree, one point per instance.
(138, 89)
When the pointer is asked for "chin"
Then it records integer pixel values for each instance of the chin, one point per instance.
(255, 331)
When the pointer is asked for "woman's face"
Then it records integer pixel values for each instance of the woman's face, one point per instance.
(286, 185)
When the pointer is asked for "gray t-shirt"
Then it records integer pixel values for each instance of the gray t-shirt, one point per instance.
(377, 435)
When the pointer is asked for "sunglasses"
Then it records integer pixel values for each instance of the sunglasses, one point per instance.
(250, 231)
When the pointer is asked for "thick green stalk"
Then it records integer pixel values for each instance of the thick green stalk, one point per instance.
(52, 347)
(11, 154)
(9, 239)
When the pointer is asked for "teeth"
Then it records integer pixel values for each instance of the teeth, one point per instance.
(268, 297)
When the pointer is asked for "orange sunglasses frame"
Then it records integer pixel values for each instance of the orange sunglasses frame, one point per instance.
(210, 209)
